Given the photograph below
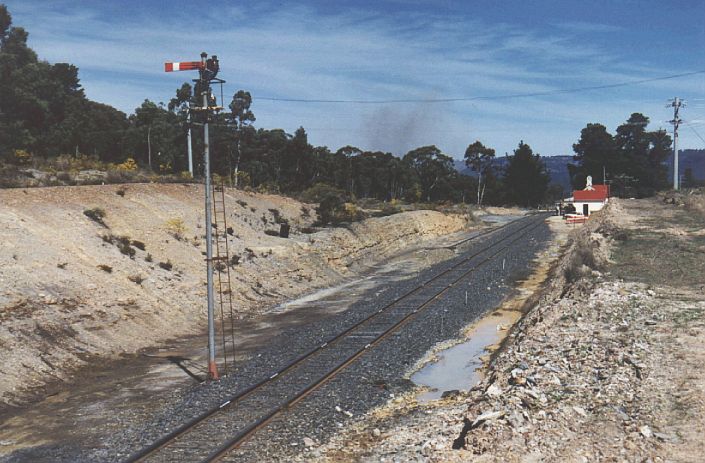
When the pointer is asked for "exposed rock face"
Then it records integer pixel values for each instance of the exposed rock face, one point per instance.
(71, 288)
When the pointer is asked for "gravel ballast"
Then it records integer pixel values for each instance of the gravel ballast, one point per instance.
(367, 383)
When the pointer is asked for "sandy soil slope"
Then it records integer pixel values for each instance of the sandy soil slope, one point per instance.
(606, 365)
(59, 308)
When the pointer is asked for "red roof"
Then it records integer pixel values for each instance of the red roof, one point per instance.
(599, 193)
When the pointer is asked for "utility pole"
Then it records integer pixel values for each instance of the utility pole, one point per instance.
(149, 146)
(676, 104)
(208, 69)
(188, 138)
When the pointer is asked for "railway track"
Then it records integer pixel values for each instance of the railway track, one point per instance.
(221, 430)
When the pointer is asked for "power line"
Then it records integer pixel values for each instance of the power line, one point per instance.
(696, 132)
(476, 98)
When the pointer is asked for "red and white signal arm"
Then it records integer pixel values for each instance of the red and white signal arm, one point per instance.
(183, 66)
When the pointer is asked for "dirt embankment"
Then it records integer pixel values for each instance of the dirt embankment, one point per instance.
(72, 288)
(605, 366)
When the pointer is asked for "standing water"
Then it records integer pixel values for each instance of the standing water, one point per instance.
(459, 367)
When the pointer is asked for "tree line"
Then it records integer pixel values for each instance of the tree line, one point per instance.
(631, 160)
(44, 113)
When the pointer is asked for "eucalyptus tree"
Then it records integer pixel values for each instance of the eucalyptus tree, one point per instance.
(479, 158)
(431, 166)
(242, 117)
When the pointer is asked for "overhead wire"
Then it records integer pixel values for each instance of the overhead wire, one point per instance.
(476, 98)
(696, 132)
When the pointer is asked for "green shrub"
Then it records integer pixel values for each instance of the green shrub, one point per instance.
(331, 201)
(320, 191)
(334, 210)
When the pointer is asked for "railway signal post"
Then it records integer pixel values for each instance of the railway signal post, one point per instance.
(208, 70)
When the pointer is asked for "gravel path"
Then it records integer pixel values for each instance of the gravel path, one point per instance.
(365, 384)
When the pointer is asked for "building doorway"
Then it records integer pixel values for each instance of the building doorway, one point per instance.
(586, 210)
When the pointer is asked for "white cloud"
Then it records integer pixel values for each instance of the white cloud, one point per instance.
(300, 53)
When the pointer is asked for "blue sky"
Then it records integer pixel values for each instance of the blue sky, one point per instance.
(391, 50)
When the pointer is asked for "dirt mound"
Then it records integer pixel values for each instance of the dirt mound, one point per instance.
(104, 270)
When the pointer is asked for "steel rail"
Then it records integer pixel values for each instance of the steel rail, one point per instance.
(236, 441)
(165, 440)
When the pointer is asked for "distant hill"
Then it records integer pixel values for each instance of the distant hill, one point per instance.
(557, 166)
(694, 159)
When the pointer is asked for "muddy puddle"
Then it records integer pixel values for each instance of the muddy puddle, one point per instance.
(100, 395)
(459, 365)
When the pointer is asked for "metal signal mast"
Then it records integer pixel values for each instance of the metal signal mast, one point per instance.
(208, 70)
(676, 104)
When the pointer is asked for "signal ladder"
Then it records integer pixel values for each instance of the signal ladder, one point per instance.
(221, 268)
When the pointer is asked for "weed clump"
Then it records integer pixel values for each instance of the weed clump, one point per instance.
(176, 228)
(308, 230)
(166, 265)
(138, 244)
(581, 260)
(138, 279)
(278, 216)
(123, 243)
(390, 208)
(106, 268)
(97, 215)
